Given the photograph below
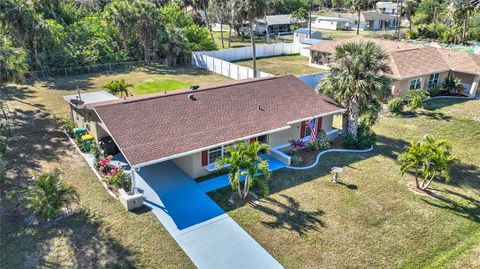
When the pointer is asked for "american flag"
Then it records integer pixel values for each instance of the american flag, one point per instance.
(313, 135)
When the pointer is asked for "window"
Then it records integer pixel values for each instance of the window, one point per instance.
(415, 84)
(213, 154)
(434, 79)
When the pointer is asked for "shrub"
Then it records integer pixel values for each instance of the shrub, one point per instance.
(365, 138)
(415, 99)
(104, 165)
(260, 186)
(49, 195)
(296, 144)
(396, 105)
(297, 160)
(321, 143)
(120, 180)
(67, 125)
(97, 153)
(434, 90)
(453, 85)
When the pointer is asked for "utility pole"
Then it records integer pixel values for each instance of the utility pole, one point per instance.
(399, 11)
(310, 21)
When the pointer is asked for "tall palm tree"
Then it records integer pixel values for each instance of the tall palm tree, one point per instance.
(12, 61)
(49, 195)
(358, 6)
(249, 10)
(243, 160)
(462, 10)
(356, 78)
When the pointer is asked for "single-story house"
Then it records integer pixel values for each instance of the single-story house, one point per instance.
(304, 39)
(369, 21)
(414, 66)
(332, 23)
(304, 33)
(193, 127)
(277, 24)
(83, 115)
(388, 7)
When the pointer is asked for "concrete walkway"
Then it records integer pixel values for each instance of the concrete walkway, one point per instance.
(202, 229)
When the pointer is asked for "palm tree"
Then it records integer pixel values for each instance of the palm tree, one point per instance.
(462, 9)
(356, 78)
(12, 61)
(429, 158)
(358, 6)
(243, 160)
(49, 195)
(249, 10)
(116, 87)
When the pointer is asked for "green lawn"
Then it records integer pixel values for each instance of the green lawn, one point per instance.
(373, 219)
(281, 65)
(151, 86)
(48, 94)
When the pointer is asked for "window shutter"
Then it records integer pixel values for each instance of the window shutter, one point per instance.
(253, 139)
(319, 124)
(204, 157)
(302, 130)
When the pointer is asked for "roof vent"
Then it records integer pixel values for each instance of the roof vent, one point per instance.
(192, 97)
(194, 88)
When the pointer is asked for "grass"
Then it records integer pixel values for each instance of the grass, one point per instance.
(374, 219)
(160, 85)
(100, 232)
(48, 94)
(281, 65)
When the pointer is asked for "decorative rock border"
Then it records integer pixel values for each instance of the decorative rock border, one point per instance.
(329, 151)
(99, 177)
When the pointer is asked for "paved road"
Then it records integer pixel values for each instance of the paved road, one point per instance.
(202, 229)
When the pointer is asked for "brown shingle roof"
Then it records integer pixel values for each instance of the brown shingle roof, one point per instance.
(410, 60)
(158, 126)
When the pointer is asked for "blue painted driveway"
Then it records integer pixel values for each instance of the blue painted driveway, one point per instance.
(202, 229)
(222, 181)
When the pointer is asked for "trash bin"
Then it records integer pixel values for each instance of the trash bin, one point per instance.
(87, 141)
(79, 132)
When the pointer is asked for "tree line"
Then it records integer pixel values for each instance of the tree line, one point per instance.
(62, 33)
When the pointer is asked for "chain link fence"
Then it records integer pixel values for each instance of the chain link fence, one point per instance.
(105, 68)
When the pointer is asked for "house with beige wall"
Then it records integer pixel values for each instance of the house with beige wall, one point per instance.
(414, 66)
(193, 127)
(82, 113)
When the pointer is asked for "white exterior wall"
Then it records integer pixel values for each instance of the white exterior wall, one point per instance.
(192, 164)
(282, 137)
(329, 25)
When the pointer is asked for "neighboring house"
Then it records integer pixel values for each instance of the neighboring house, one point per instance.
(369, 21)
(277, 24)
(414, 66)
(83, 115)
(388, 7)
(332, 23)
(193, 128)
(304, 39)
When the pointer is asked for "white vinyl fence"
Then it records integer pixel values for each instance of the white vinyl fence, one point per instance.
(219, 62)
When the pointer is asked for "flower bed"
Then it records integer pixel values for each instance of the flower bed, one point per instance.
(306, 155)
